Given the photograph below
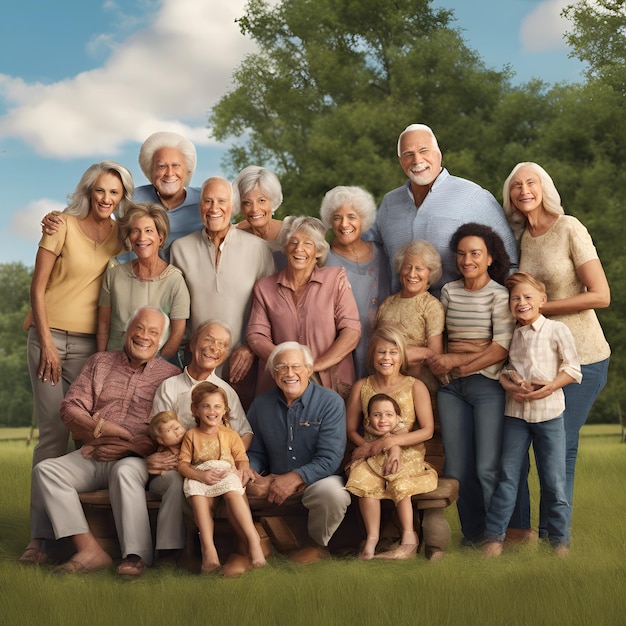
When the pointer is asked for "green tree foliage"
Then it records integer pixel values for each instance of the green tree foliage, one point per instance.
(334, 83)
(599, 38)
(15, 390)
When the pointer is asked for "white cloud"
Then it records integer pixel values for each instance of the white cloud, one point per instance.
(165, 76)
(542, 30)
(26, 222)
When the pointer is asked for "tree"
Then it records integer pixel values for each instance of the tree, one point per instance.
(333, 85)
(15, 390)
(598, 37)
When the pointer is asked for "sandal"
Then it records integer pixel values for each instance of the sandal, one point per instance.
(131, 566)
(33, 556)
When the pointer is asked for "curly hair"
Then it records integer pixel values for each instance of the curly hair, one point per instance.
(500, 261)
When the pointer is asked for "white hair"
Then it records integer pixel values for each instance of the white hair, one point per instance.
(411, 127)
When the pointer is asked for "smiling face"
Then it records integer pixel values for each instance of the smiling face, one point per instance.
(169, 172)
(526, 302)
(171, 433)
(143, 336)
(106, 194)
(414, 276)
(210, 411)
(346, 224)
(383, 416)
(144, 239)
(525, 190)
(472, 257)
(209, 351)
(291, 374)
(256, 208)
(419, 158)
(216, 207)
(301, 252)
(386, 358)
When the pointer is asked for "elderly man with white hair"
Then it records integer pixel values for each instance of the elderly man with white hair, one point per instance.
(220, 264)
(299, 441)
(432, 205)
(168, 161)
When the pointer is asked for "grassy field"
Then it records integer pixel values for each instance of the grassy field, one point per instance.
(526, 586)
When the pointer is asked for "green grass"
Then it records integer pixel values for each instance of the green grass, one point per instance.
(527, 585)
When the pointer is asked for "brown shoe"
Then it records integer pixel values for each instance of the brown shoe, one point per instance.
(236, 566)
(310, 554)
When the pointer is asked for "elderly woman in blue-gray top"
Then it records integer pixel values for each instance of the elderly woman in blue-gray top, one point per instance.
(350, 212)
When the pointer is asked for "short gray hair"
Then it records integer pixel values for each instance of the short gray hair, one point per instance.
(313, 227)
(166, 322)
(362, 201)
(427, 251)
(166, 139)
(289, 345)
(411, 127)
(255, 176)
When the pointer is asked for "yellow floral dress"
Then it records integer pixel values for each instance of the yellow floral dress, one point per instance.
(366, 478)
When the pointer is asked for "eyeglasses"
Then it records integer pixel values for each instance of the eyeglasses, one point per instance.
(283, 368)
(215, 343)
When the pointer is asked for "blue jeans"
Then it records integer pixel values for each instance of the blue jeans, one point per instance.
(548, 439)
(578, 402)
(471, 413)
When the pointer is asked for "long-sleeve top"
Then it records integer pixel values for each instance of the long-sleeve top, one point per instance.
(539, 351)
(451, 201)
(308, 437)
(109, 386)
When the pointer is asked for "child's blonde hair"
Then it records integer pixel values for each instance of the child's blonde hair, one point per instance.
(521, 278)
(158, 421)
(204, 388)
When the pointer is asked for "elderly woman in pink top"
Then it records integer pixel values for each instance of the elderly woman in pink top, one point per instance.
(307, 303)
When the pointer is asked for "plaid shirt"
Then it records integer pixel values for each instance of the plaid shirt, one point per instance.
(540, 351)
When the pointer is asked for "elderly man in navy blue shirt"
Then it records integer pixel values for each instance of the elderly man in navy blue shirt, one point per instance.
(299, 439)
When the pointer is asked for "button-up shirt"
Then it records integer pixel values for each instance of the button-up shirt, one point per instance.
(539, 351)
(308, 437)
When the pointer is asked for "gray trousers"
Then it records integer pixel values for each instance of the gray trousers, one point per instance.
(56, 511)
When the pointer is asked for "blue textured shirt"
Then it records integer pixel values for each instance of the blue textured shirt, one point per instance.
(308, 437)
(451, 201)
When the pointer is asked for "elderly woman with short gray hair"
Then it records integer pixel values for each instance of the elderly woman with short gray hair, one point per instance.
(350, 212)
(308, 303)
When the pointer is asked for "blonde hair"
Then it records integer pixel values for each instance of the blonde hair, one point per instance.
(158, 421)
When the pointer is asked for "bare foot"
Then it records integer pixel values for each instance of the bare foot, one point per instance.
(209, 566)
(369, 548)
(256, 555)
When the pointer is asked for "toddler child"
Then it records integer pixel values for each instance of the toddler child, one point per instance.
(167, 431)
(395, 474)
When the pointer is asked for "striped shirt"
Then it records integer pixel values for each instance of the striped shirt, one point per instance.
(481, 314)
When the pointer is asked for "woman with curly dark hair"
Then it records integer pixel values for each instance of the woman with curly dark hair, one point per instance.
(479, 326)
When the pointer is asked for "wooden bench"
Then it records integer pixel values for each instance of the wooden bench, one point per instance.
(285, 525)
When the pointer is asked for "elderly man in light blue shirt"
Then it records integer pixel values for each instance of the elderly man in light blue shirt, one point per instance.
(432, 205)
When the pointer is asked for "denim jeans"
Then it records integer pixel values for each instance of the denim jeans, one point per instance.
(578, 402)
(548, 439)
(471, 413)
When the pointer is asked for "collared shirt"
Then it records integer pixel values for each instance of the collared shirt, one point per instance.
(325, 308)
(174, 394)
(540, 351)
(109, 386)
(450, 202)
(222, 292)
(308, 437)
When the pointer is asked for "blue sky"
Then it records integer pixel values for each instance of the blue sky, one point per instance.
(85, 81)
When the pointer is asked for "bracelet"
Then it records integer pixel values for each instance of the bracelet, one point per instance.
(97, 431)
